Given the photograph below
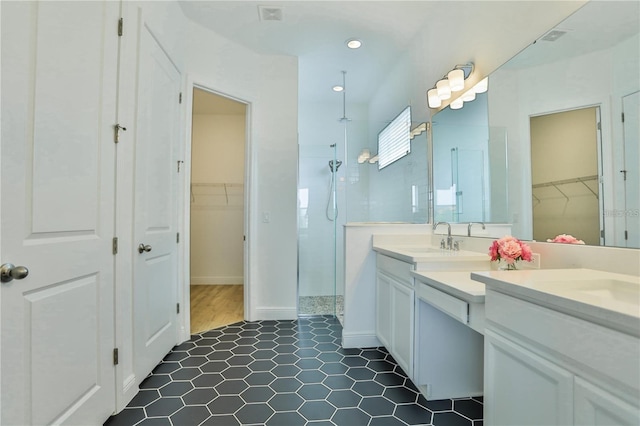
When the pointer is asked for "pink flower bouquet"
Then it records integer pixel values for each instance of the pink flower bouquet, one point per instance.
(509, 249)
(566, 239)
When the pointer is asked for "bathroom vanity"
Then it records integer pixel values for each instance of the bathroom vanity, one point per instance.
(568, 339)
(431, 320)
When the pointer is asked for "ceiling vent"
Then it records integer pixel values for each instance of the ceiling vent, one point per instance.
(553, 35)
(270, 13)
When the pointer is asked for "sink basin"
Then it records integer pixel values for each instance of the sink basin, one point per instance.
(421, 249)
(620, 291)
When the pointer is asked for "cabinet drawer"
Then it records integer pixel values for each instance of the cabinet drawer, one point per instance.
(458, 309)
(395, 268)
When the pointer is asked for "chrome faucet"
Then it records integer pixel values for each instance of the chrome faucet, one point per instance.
(449, 237)
(469, 227)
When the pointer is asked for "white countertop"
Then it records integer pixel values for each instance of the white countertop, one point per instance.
(455, 283)
(606, 298)
(423, 253)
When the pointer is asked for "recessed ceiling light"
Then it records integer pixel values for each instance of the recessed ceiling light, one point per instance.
(338, 88)
(354, 43)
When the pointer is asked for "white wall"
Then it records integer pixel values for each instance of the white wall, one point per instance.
(217, 198)
(269, 85)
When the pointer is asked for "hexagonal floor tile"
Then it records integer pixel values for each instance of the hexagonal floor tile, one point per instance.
(344, 398)
(377, 406)
(316, 410)
(285, 402)
(285, 372)
(225, 404)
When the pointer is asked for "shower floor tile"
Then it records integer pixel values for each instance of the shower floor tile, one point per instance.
(226, 377)
(320, 305)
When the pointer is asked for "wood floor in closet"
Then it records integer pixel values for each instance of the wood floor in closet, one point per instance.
(214, 306)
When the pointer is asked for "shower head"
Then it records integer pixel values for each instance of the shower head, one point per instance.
(336, 164)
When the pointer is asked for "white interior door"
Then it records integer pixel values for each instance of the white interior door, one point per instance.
(157, 137)
(631, 109)
(58, 111)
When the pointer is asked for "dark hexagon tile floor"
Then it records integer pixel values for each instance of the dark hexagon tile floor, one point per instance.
(285, 373)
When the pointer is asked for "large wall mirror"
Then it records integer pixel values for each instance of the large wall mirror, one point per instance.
(547, 149)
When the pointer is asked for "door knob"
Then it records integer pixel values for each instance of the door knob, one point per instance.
(9, 272)
(144, 248)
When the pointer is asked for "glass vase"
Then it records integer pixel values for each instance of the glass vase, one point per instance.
(504, 266)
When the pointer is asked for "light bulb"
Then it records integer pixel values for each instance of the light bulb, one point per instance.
(456, 80)
(468, 96)
(482, 85)
(444, 90)
(456, 104)
(434, 100)
(354, 43)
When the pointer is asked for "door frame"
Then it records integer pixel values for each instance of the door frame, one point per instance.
(250, 198)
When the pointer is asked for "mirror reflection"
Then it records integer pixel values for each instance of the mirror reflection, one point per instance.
(572, 161)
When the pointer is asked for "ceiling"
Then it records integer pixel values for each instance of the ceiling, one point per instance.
(316, 32)
(596, 26)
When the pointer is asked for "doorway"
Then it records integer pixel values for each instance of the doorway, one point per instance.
(565, 165)
(217, 211)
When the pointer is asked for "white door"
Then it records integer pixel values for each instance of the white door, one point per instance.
(156, 144)
(631, 109)
(58, 155)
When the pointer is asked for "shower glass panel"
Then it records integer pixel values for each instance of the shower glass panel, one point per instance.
(355, 191)
(467, 175)
(319, 213)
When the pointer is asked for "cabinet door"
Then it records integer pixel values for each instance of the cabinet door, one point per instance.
(383, 310)
(595, 406)
(402, 323)
(521, 388)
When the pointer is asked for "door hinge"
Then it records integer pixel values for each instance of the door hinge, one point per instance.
(114, 245)
(623, 117)
(116, 132)
(115, 356)
(180, 165)
(599, 126)
(626, 235)
(177, 237)
(602, 233)
(120, 26)
(177, 308)
(180, 98)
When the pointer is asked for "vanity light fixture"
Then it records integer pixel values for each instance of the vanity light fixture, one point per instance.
(337, 88)
(354, 43)
(365, 155)
(454, 82)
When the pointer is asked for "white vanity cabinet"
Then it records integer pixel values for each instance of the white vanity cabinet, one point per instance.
(395, 309)
(544, 367)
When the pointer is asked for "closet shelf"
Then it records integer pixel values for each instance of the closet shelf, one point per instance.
(210, 191)
(557, 183)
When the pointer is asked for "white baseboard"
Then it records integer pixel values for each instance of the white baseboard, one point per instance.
(360, 340)
(129, 390)
(217, 280)
(280, 313)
